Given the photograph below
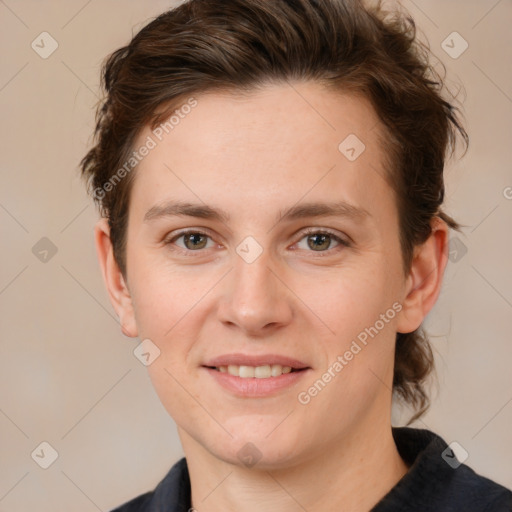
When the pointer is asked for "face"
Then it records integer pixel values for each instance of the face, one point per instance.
(256, 241)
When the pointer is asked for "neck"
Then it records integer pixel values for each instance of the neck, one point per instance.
(352, 474)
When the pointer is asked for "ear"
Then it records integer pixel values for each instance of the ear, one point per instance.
(114, 281)
(423, 283)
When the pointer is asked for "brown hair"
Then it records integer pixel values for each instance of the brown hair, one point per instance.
(240, 45)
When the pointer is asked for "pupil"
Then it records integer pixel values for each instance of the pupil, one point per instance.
(194, 238)
(323, 238)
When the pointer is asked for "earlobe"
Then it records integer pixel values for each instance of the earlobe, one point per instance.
(424, 281)
(117, 288)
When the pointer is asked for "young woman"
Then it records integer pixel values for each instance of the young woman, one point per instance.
(270, 178)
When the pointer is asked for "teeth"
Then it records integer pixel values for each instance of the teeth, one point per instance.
(258, 372)
(262, 372)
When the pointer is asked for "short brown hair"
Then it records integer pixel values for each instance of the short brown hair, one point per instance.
(240, 45)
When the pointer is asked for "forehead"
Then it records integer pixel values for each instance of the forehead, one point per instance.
(274, 144)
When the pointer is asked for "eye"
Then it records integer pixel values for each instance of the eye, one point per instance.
(321, 241)
(315, 240)
(192, 240)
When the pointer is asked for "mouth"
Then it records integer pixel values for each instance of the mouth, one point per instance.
(256, 372)
(249, 376)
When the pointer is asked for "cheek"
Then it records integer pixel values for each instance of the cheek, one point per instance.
(362, 312)
(347, 300)
(175, 390)
(163, 298)
(358, 314)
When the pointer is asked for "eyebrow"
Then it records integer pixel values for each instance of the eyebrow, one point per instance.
(303, 210)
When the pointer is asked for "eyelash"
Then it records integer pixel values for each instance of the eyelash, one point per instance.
(312, 231)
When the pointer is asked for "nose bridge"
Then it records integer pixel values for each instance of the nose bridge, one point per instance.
(255, 298)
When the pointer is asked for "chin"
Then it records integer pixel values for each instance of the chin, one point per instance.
(255, 449)
(259, 458)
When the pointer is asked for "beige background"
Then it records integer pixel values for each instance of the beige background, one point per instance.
(67, 374)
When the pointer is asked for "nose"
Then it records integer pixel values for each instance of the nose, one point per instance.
(256, 300)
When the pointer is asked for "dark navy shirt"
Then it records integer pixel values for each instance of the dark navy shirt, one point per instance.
(434, 483)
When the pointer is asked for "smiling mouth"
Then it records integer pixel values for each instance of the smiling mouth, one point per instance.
(258, 372)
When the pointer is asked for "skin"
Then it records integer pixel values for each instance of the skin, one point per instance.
(254, 156)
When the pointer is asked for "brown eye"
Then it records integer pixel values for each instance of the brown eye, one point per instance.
(195, 241)
(319, 241)
(191, 241)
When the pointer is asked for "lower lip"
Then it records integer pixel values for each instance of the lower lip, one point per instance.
(255, 388)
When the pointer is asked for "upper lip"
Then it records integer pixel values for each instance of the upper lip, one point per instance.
(255, 360)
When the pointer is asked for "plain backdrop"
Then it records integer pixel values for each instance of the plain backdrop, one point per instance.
(68, 376)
